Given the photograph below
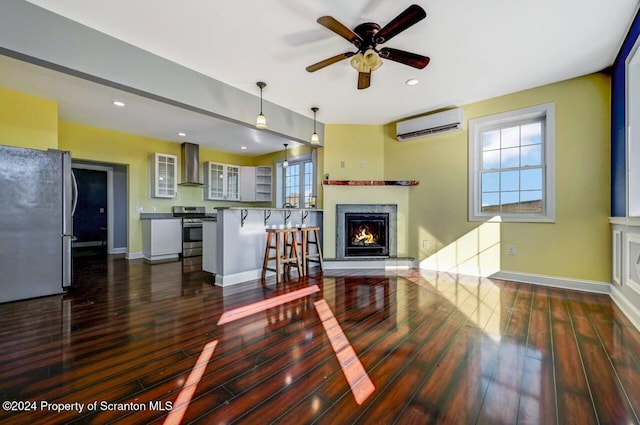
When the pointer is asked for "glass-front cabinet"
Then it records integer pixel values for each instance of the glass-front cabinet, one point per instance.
(164, 175)
(222, 181)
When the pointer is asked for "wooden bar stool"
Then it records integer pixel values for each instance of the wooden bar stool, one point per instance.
(307, 256)
(285, 252)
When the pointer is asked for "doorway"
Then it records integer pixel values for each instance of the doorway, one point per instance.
(100, 221)
(90, 217)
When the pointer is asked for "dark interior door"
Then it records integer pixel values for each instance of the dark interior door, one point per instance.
(90, 217)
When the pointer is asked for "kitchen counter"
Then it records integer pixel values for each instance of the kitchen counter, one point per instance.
(268, 208)
(166, 216)
(156, 216)
(233, 245)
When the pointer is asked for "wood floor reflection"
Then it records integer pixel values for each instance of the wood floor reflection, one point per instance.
(133, 343)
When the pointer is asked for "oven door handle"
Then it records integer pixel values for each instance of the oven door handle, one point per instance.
(191, 224)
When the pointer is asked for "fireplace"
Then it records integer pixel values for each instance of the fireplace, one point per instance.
(367, 235)
(366, 231)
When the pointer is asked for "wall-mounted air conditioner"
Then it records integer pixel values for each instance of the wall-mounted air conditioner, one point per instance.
(440, 122)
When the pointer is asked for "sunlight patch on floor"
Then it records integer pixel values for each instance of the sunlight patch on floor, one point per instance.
(257, 307)
(361, 385)
(189, 387)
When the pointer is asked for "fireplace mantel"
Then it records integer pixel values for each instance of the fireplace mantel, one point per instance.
(401, 183)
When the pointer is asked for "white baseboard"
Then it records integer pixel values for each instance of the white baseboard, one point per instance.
(244, 277)
(118, 250)
(134, 255)
(630, 311)
(555, 282)
(232, 279)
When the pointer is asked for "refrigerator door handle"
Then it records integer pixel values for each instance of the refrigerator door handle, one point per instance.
(74, 195)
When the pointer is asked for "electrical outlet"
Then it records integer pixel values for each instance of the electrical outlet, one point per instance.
(342, 164)
(363, 164)
(511, 249)
(425, 244)
(139, 209)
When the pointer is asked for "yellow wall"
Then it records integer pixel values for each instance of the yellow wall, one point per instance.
(90, 143)
(28, 121)
(355, 145)
(576, 246)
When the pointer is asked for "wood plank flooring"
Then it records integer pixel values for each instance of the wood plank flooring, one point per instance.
(134, 343)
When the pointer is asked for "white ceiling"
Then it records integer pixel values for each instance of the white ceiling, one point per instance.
(478, 49)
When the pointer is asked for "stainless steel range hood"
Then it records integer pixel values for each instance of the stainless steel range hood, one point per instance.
(190, 165)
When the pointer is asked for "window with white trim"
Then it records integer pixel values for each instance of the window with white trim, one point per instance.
(295, 183)
(512, 165)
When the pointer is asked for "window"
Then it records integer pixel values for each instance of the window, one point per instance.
(511, 166)
(298, 182)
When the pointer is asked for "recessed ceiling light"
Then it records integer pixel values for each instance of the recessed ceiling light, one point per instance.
(182, 134)
(118, 103)
(412, 82)
(244, 148)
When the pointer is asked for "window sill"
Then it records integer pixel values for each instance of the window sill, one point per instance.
(512, 219)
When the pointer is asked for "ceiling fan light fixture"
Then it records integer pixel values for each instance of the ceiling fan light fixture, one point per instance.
(315, 139)
(372, 60)
(357, 63)
(261, 121)
(366, 37)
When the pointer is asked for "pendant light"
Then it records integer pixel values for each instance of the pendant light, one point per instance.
(285, 163)
(261, 121)
(315, 139)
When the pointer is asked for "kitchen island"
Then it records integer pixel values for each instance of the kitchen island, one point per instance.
(234, 244)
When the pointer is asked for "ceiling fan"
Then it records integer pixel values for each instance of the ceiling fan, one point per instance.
(366, 37)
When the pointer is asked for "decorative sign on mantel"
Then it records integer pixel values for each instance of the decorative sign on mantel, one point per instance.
(370, 182)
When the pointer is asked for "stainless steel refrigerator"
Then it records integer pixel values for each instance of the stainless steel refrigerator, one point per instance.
(36, 212)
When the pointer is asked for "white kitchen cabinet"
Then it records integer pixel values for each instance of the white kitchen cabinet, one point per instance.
(161, 239)
(255, 184)
(163, 175)
(222, 181)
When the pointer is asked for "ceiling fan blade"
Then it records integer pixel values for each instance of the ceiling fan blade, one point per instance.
(364, 80)
(406, 58)
(331, 23)
(409, 17)
(329, 61)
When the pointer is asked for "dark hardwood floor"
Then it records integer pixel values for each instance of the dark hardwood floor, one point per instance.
(134, 343)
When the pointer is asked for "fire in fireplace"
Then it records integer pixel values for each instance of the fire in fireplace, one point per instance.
(366, 231)
(367, 234)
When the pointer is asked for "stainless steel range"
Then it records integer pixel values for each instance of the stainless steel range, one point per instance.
(191, 229)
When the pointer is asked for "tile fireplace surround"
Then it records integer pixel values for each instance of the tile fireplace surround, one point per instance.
(342, 209)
